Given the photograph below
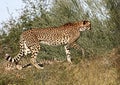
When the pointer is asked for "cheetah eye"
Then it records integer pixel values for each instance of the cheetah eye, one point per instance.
(84, 22)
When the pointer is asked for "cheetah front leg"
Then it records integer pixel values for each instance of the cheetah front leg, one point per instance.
(67, 51)
(35, 49)
(77, 47)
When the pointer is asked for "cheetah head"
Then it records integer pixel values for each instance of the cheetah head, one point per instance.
(84, 25)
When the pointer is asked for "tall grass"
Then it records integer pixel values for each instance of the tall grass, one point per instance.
(92, 71)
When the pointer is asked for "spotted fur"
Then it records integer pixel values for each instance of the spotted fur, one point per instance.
(64, 35)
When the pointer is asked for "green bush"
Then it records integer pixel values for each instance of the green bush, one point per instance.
(39, 14)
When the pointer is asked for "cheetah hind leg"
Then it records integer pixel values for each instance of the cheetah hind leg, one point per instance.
(29, 65)
(36, 64)
(34, 56)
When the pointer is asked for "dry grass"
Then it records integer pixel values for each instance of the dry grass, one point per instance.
(95, 71)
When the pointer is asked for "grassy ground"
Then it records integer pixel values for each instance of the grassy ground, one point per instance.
(95, 71)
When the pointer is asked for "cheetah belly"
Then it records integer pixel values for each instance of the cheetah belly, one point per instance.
(55, 42)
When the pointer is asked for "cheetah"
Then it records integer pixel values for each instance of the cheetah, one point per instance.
(54, 36)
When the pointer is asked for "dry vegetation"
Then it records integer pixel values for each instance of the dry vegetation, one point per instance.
(103, 70)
